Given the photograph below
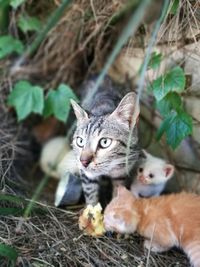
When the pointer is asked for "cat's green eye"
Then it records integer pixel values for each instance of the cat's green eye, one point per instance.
(105, 142)
(80, 141)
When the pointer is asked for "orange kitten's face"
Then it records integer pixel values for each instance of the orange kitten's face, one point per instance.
(119, 215)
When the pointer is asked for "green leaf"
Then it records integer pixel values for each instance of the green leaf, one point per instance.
(172, 101)
(12, 198)
(4, 15)
(165, 125)
(174, 7)
(11, 211)
(58, 102)
(8, 252)
(155, 60)
(8, 45)
(26, 98)
(177, 126)
(19, 210)
(172, 81)
(16, 3)
(27, 23)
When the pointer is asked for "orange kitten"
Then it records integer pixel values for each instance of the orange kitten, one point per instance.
(165, 221)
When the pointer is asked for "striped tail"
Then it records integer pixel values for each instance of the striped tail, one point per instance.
(192, 250)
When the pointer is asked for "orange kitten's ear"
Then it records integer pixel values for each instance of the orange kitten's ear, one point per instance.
(169, 170)
(80, 113)
(121, 190)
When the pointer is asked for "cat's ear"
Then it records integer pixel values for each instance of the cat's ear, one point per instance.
(128, 110)
(80, 113)
(169, 170)
(121, 190)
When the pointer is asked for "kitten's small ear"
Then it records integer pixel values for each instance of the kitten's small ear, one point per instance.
(121, 190)
(128, 110)
(80, 113)
(169, 170)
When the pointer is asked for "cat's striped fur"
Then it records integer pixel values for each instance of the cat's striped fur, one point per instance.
(101, 137)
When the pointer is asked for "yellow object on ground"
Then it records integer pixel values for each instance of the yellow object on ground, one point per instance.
(91, 220)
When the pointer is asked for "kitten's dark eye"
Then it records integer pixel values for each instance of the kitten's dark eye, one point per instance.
(80, 141)
(105, 142)
(140, 169)
(151, 175)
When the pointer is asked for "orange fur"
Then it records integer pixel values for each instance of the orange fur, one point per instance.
(170, 220)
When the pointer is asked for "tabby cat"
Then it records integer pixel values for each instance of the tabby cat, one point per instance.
(104, 127)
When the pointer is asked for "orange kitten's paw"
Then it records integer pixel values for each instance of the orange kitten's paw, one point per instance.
(154, 247)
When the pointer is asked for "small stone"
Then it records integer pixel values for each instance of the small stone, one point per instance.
(41, 248)
(124, 256)
(63, 249)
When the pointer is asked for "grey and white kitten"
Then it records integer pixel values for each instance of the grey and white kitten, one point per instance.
(104, 128)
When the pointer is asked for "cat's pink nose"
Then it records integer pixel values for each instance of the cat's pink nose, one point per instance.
(85, 160)
(142, 178)
(85, 163)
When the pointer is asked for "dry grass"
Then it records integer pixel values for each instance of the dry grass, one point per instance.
(64, 54)
(53, 239)
(85, 35)
(14, 143)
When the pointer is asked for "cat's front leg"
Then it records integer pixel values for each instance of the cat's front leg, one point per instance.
(90, 189)
(154, 247)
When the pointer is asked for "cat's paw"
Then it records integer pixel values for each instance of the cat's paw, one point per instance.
(153, 246)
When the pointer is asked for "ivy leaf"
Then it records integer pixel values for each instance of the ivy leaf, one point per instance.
(27, 23)
(165, 124)
(8, 45)
(58, 102)
(16, 3)
(172, 101)
(177, 125)
(172, 81)
(155, 60)
(26, 98)
(4, 15)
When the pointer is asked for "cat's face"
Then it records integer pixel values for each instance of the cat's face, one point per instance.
(120, 215)
(154, 170)
(100, 143)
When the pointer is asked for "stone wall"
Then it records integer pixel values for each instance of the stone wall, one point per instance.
(187, 156)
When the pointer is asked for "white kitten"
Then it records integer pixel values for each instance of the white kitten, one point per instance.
(152, 175)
